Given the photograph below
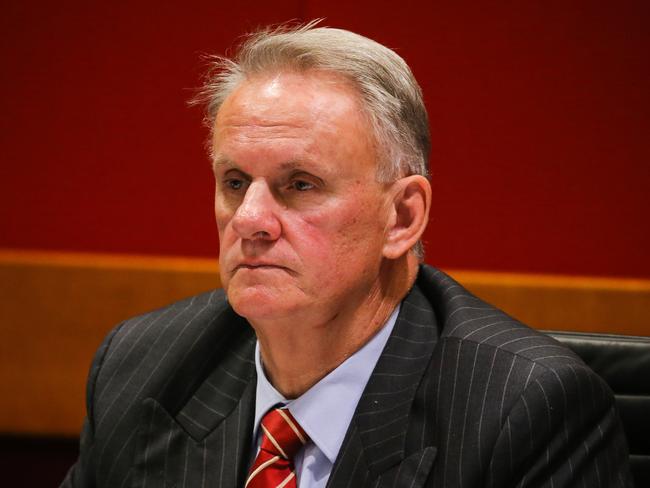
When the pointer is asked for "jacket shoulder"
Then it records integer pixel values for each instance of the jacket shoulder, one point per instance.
(154, 354)
(147, 326)
(527, 403)
(463, 317)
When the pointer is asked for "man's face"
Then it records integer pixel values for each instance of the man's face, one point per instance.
(300, 215)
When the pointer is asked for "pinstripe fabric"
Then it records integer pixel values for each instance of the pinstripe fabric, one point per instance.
(170, 400)
(463, 395)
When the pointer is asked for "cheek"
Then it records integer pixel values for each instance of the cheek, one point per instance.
(222, 224)
(340, 232)
(223, 215)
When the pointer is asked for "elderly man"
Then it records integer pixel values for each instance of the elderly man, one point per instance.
(333, 357)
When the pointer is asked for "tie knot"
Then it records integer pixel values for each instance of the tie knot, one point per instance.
(283, 436)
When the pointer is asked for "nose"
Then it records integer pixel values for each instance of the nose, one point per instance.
(255, 218)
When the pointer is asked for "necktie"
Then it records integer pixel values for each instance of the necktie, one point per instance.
(282, 438)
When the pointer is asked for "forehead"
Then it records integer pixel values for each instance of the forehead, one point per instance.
(314, 118)
(309, 101)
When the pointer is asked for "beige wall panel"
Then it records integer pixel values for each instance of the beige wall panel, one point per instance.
(54, 312)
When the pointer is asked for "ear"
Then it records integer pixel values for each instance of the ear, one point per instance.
(411, 205)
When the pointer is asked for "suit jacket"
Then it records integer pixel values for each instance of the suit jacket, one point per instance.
(462, 396)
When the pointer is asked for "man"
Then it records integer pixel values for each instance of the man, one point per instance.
(392, 373)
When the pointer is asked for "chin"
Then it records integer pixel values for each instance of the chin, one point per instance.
(258, 302)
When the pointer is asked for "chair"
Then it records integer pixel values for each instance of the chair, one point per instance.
(624, 363)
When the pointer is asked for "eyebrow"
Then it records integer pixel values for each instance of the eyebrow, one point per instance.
(222, 160)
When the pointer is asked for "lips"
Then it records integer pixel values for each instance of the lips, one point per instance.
(257, 266)
(261, 266)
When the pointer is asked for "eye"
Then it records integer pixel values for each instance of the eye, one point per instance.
(301, 185)
(234, 184)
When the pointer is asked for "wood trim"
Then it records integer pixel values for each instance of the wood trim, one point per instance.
(572, 303)
(56, 308)
(21, 257)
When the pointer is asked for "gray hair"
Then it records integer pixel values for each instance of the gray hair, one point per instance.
(390, 96)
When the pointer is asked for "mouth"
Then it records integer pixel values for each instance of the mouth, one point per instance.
(261, 267)
(254, 266)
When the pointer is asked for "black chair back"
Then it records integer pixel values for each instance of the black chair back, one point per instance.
(624, 363)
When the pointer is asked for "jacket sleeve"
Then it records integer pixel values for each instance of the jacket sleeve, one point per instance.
(564, 431)
(82, 473)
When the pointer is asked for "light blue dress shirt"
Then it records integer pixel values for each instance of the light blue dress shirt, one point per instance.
(326, 409)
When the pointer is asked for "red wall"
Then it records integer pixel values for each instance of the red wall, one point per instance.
(540, 115)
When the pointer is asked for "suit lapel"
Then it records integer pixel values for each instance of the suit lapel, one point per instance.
(222, 390)
(206, 442)
(220, 412)
(376, 439)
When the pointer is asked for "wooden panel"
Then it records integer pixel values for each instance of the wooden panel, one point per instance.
(54, 311)
(55, 308)
(573, 303)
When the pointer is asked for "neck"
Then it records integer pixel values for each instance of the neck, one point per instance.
(306, 354)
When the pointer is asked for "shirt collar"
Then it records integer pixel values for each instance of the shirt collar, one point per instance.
(326, 409)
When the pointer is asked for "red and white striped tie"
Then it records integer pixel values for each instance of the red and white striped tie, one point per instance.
(282, 438)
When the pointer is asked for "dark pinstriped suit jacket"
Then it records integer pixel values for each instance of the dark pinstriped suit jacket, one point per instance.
(463, 395)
